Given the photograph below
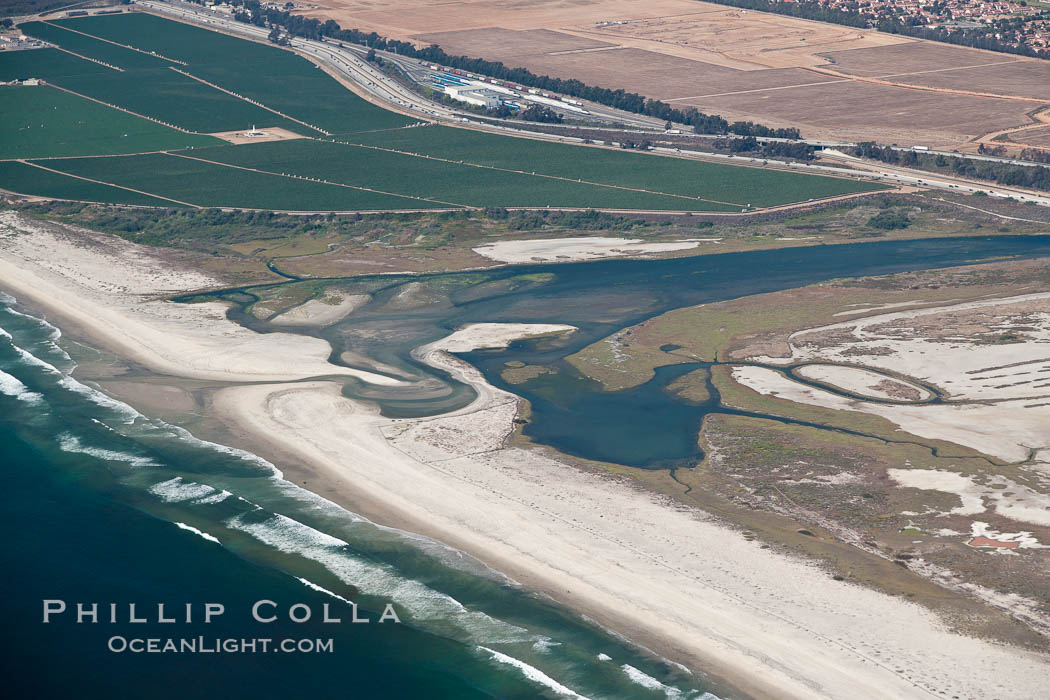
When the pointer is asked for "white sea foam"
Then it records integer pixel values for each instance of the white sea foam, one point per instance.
(427, 607)
(533, 674)
(54, 333)
(64, 380)
(12, 386)
(176, 490)
(217, 497)
(67, 382)
(129, 414)
(440, 551)
(542, 646)
(102, 425)
(308, 500)
(321, 589)
(205, 535)
(192, 439)
(29, 358)
(646, 681)
(71, 443)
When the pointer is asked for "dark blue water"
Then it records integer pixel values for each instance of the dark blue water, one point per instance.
(643, 426)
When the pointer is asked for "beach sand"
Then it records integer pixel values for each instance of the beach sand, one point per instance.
(114, 291)
(667, 577)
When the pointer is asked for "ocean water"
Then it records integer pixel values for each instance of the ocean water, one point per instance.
(104, 505)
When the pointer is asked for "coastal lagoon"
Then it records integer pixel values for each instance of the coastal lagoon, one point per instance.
(645, 426)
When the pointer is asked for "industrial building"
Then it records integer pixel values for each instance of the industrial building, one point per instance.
(483, 97)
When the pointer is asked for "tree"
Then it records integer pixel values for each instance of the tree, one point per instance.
(889, 220)
(540, 113)
(748, 143)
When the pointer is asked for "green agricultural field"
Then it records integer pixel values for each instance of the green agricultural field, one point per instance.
(373, 163)
(160, 92)
(202, 184)
(740, 185)
(93, 48)
(45, 122)
(445, 181)
(19, 177)
(275, 77)
(50, 64)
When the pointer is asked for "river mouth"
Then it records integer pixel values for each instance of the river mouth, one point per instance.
(646, 426)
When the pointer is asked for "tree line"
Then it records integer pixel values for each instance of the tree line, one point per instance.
(1035, 177)
(311, 28)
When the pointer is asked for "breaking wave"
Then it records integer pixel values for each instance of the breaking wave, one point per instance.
(533, 673)
(71, 443)
(205, 535)
(12, 386)
(427, 608)
(176, 490)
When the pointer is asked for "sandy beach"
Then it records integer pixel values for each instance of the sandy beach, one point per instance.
(670, 578)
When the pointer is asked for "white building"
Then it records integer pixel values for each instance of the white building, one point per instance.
(489, 99)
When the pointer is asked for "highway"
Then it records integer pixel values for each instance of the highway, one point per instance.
(342, 60)
(349, 61)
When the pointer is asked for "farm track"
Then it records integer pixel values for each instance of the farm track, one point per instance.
(123, 46)
(93, 60)
(925, 88)
(317, 180)
(108, 184)
(249, 101)
(126, 111)
(1040, 119)
(535, 174)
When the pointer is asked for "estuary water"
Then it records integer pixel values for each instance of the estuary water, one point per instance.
(645, 426)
